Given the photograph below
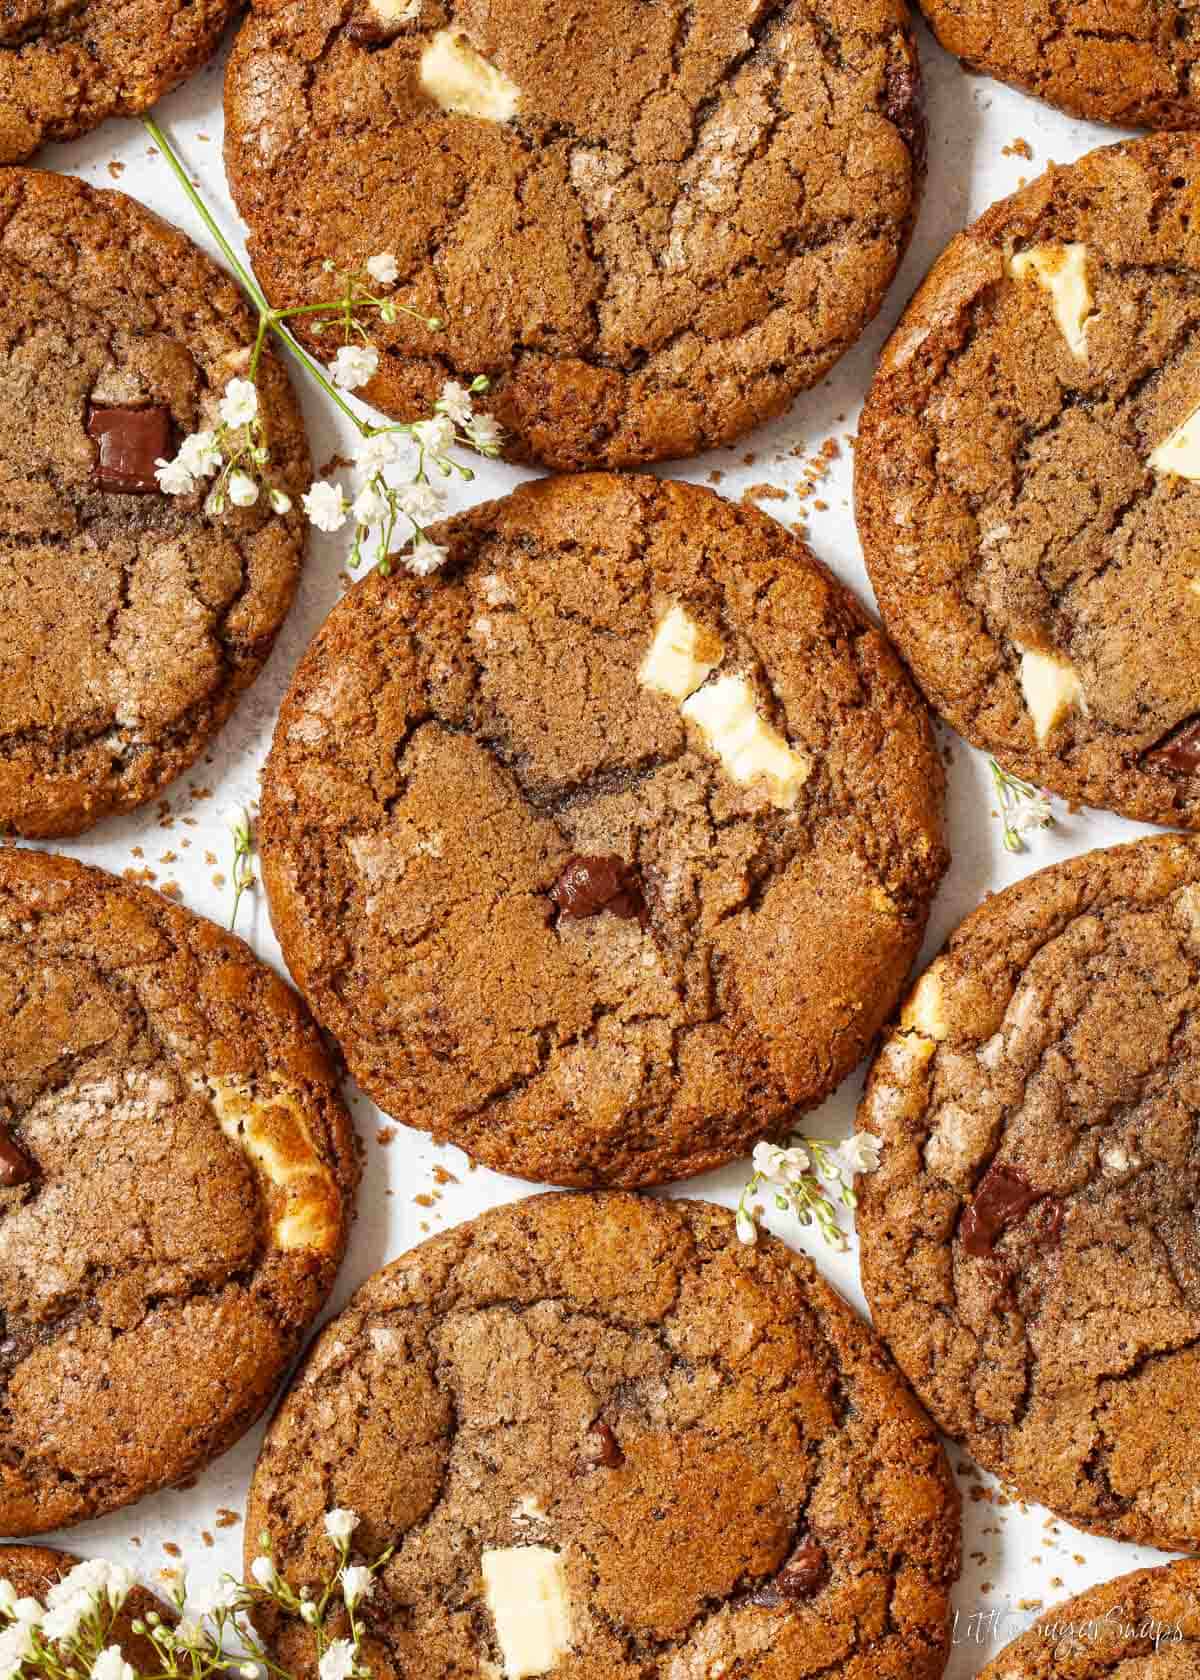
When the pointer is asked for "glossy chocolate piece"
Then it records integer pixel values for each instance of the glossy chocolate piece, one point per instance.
(588, 885)
(130, 441)
(1003, 1197)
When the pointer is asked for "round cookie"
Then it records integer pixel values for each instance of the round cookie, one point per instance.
(650, 222)
(561, 900)
(693, 1454)
(177, 1176)
(1136, 64)
(1027, 481)
(1144, 1626)
(1029, 1242)
(130, 621)
(66, 65)
(33, 1570)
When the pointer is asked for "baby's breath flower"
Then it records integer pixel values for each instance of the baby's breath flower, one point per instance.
(354, 365)
(263, 1570)
(455, 403)
(424, 557)
(16, 1644)
(28, 1612)
(859, 1154)
(239, 405)
(8, 1597)
(486, 434)
(798, 1176)
(242, 490)
(326, 505)
(62, 1620)
(111, 1665)
(383, 268)
(435, 436)
(338, 1662)
(340, 1524)
(421, 502)
(1023, 807)
(173, 477)
(370, 505)
(309, 1613)
(747, 1230)
(218, 1598)
(379, 451)
(357, 1582)
(280, 501)
(199, 454)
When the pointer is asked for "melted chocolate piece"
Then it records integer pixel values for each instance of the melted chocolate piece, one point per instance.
(1180, 750)
(15, 1166)
(904, 108)
(588, 885)
(130, 440)
(803, 1573)
(603, 1447)
(1053, 1213)
(1002, 1198)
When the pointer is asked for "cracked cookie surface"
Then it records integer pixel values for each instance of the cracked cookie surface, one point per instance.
(722, 1462)
(1135, 63)
(66, 65)
(454, 751)
(1144, 1626)
(680, 214)
(177, 1175)
(1027, 481)
(1029, 1243)
(130, 621)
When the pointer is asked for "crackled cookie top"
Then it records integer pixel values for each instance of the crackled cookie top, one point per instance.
(176, 1179)
(130, 621)
(1136, 62)
(606, 850)
(1144, 1626)
(66, 65)
(33, 1570)
(1028, 481)
(607, 1440)
(1030, 1244)
(651, 222)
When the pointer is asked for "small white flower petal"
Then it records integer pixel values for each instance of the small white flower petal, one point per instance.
(326, 505)
(354, 365)
(369, 506)
(383, 268)
(340, 1524)
(243, 492)
(455, 403)
(747, 1230)
(173, 477)
(280, 501)
(239, 405)
(425, 557)
(338, 1661)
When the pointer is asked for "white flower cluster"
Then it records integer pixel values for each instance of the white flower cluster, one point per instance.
(226, 452)
(795, 1174)
(396, 490)
(1023, 807)
(69, 1636)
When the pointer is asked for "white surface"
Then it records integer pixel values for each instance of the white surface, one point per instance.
(1011, 1556)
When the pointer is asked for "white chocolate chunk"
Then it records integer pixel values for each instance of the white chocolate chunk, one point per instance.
(455, 76)
(1061, 270)
(1179, 454)
(748, 747)
(680, 657)
(925, 1011)
(525, 1588)
(392, 13)
(1051, 688)
(274, 1134)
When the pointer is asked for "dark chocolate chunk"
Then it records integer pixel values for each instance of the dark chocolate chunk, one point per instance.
(1002, 1198)
(803, 1573)
(15, 1165)
(904, 108)
(603, 1448)
(588, 885)
(131, 440)
(1180, 750)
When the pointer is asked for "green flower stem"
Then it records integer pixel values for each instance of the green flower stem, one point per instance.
(269, 320)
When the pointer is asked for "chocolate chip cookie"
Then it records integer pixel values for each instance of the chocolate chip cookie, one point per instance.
(607, 850)
(32, 1571)
(606, 1439)
(176, 1181)
(66, 65)
(1144, 1626)
(1028, 481)
(651, 222)
(130, 620)
(1132, 62)
(1029, 1241)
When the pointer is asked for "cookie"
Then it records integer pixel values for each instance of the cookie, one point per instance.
(177, 1176)
(1029, 1241)
(606, 1438)
(607, 850)
(32, 1571)
(1144, 1626)
(1136, 63)
(1027, 481)
(66, 65)
(130, 621)
(651, 224)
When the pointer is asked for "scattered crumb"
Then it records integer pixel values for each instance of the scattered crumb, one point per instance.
(820, 507)
(715, 476)
(764, 493)
(1019, 147)
(1078, 1559)
(423, 1225)
(227, 1518)
(116, 170)
(210, 858)
(137, 852)
(171, 1549)
(978, 1557)
(384, 1136)
(135, 1539)
(197, 792)
(204, 137)
(424, 1199)
(218, 881)
(1031, 1604)
(442, 1175)
(1056, 1581)
(171, 889)
(987, 1587)
(749, 460)
(206, 1537)
(140, 877)
(169, 857)
(334, 464)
